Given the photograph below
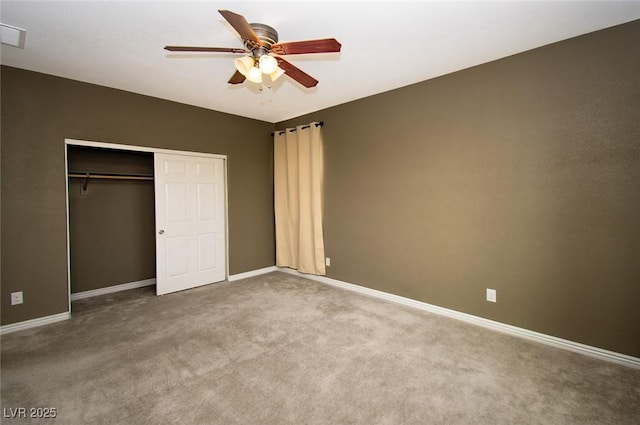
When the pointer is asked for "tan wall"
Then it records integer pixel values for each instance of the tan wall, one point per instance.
(39, 111)
(521, 175)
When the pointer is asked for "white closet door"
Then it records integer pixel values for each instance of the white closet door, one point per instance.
(190, 222)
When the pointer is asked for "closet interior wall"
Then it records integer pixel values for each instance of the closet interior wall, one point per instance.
(111, 221)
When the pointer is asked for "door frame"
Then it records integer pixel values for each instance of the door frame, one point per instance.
(134, 148)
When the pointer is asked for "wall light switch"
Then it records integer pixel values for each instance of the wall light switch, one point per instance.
(491, 295)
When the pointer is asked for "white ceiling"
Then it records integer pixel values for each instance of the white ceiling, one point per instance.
(385, 44)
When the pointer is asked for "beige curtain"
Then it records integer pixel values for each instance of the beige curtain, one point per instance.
(298, 198)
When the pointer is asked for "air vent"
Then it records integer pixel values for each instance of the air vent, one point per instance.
(12, 36)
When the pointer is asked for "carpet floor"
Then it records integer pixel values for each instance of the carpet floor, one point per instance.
(280, 349)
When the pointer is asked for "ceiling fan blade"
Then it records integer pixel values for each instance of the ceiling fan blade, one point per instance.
(237, 78)
(204, 49)
(240, 24)
(297, 74)
(325, 45)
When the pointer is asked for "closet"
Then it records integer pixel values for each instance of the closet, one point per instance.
(144, 216)
(111, 217)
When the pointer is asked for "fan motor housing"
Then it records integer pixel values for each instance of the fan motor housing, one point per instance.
(267, 35)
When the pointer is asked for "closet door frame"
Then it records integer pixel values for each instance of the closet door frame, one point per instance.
(133, 148)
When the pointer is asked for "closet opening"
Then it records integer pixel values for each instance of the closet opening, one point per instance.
(112, 244)
(144, 217)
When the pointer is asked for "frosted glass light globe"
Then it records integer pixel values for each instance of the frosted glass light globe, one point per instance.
(254, 75)
(244, 64)
(268, 64)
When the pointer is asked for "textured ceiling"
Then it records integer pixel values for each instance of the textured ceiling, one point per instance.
(385, 45)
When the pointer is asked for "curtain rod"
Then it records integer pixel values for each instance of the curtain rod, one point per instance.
(318, 124)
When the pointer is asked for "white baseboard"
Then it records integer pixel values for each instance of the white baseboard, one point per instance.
(40, 321)
(252, 273)
(576, 347)
(111, 289)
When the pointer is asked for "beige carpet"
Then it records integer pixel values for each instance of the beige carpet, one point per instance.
(278, 349)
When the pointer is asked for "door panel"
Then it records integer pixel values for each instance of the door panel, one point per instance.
(176, 205)
(177, 249)
(190, 222)
(207, 244)
(206, 203)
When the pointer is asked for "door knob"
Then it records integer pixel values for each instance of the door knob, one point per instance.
(161, 232)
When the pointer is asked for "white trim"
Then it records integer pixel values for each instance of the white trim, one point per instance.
(40, 321)
(226, 215)
(111, 289)
(576, 347)
(252, 273)
(68, 241)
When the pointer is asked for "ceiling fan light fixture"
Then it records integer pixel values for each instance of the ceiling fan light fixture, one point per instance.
(244, 65)
(254, 75)
(268, 64)
(260, 41)
(279, 72)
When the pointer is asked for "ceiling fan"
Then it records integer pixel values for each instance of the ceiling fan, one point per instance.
(261, 42)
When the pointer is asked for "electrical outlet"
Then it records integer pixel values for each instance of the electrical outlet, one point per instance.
(327, 262)
(491, 295)
(17, 298)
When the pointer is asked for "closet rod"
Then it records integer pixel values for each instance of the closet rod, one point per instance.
(111, 176)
